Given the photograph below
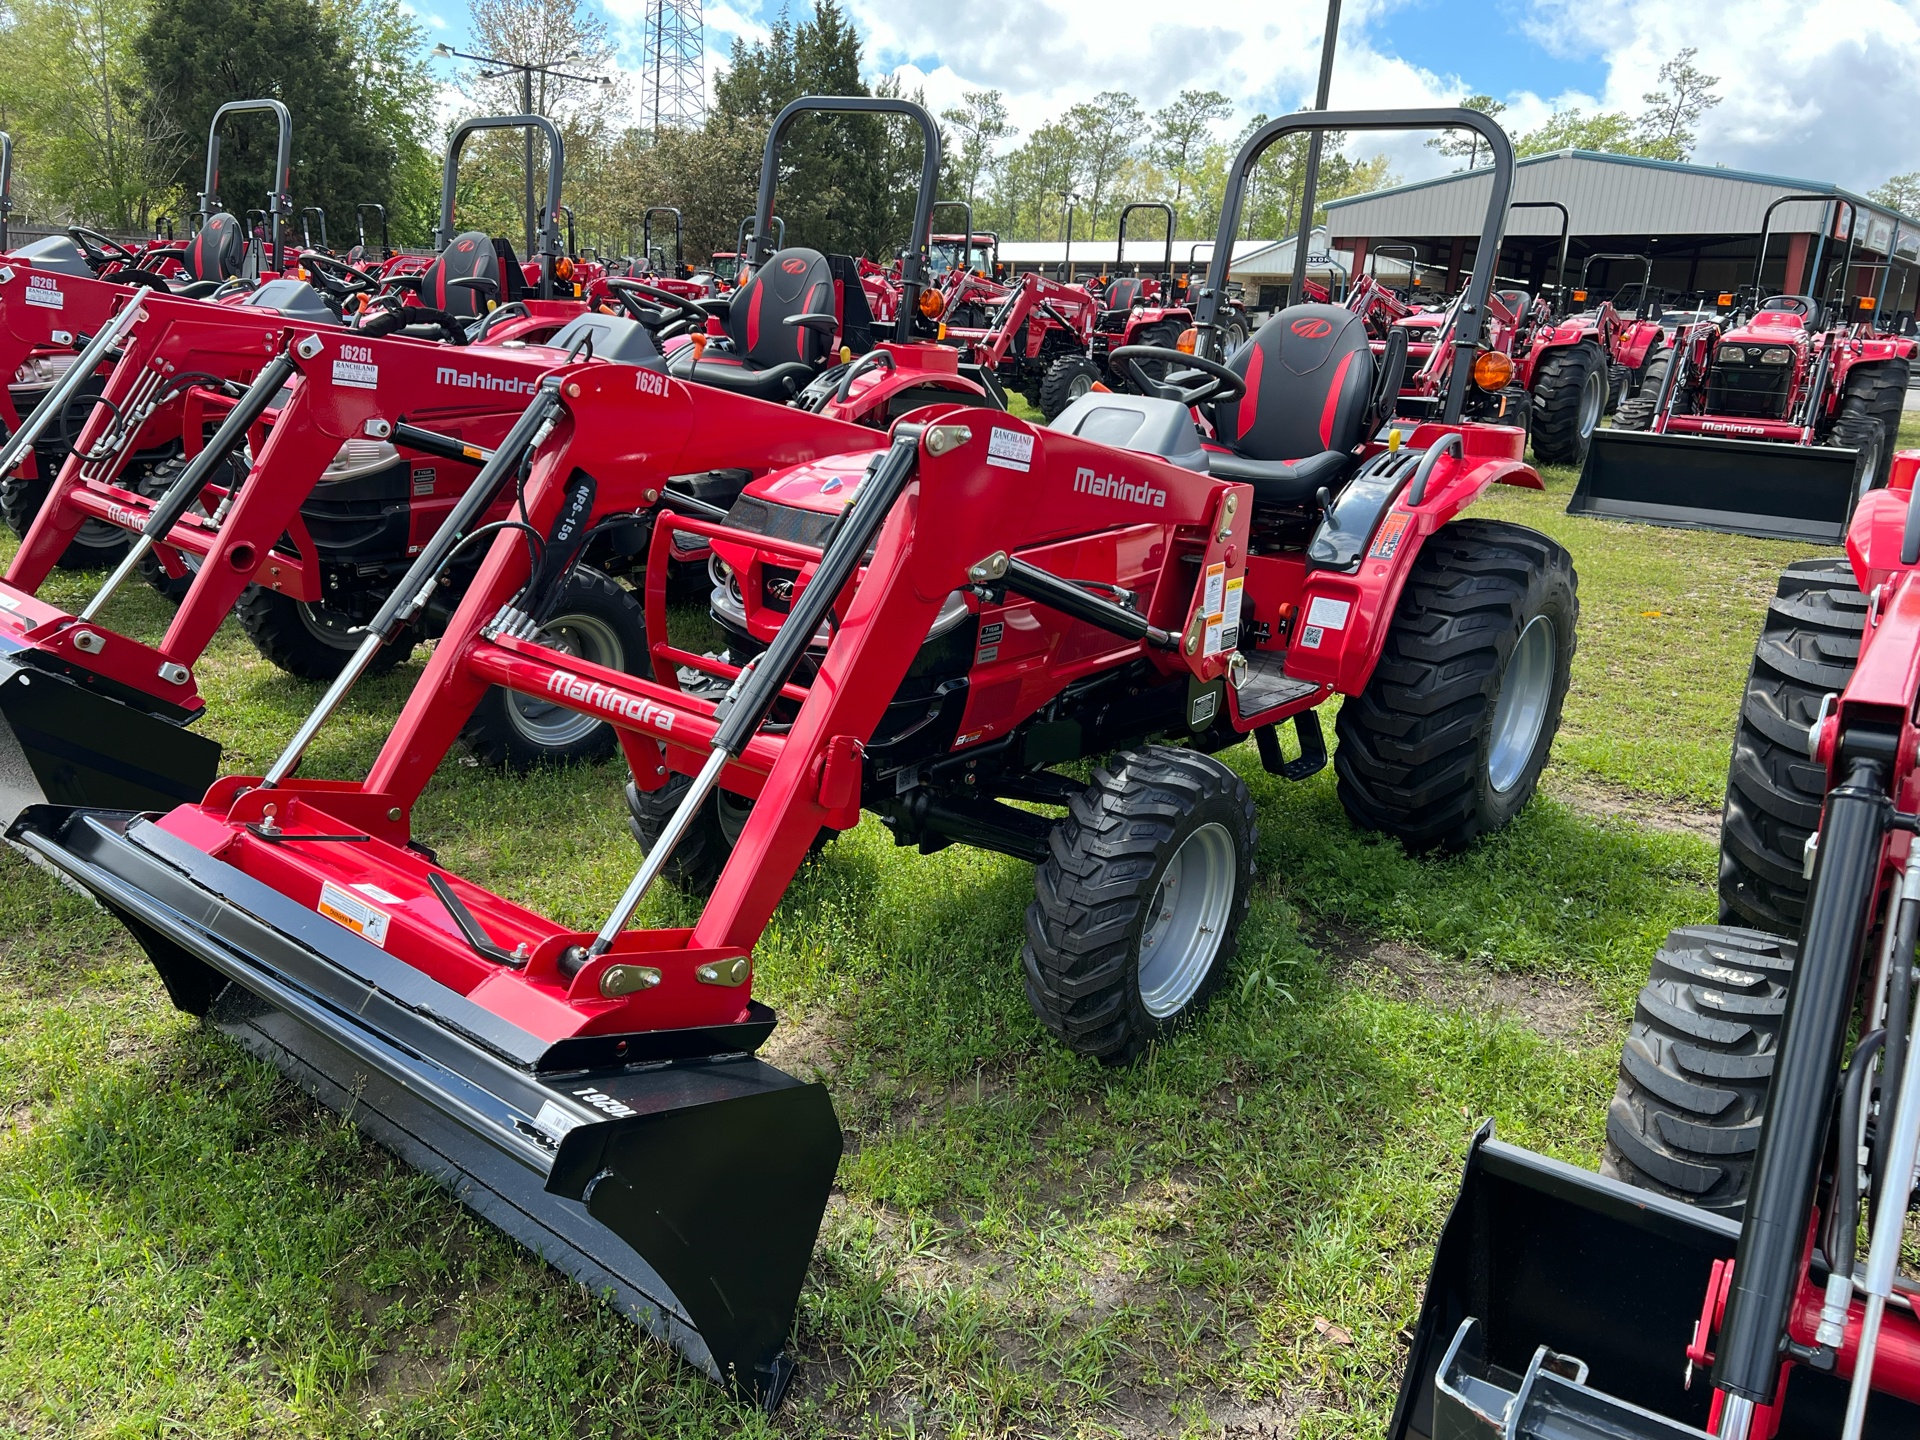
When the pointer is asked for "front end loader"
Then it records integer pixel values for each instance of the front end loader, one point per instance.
(1735, 1268)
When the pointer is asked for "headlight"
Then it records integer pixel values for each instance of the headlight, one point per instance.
(719, 572)
(1492, 370)
(44, 369)
(1777, 356)
(358, 458)
(1733, 355)
(953, 610)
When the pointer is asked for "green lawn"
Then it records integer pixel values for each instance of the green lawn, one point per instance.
(1229, 1235)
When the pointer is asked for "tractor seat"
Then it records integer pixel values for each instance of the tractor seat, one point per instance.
(762, 355)
(1804, 308)
(216, 254)
(469, 256)
(1124, 294)
(1136, 422)
(1309, 373)
(1515, 302)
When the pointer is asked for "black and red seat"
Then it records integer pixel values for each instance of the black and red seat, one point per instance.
(780, 326)
(470, 255)
(217, 254)
(1310, 391)
(1124, 293)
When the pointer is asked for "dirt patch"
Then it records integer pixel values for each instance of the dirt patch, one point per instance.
(1597, 800)
(1557, 1009)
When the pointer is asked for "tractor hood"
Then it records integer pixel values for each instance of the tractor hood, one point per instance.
(1769, 327)
(825, 487)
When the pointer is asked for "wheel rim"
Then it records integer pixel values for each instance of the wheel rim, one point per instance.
(99, 535)
(1521, 712)
(329, 627)
(1081, 384)
(1867, 469)
(733, 811)
(1186, 921)
(555, 727)
(1593, 399)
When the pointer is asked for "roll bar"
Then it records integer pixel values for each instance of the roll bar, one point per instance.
(966, 245)
(306, 233)
(1566, 227)
(1173, 223)
(740, 236)
(280, 193)
(1470, 316)
(913, 270)
(1374, 252)
(646, 235)
(6, 186)
(1646, 271)
(360, 226)
(1820, 251)
(548, 245)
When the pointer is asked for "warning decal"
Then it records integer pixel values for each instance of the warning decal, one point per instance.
(349, 910)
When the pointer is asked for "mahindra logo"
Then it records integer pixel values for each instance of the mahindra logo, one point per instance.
(794, 267)
(1312, 329)
(473, 380)
(464, 246)
(781, 590)
(1116, 487)
(1723, 427)
(612, 702)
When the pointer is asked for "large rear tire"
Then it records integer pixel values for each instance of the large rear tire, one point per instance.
(1807, 649)
(1447, 741)
(1697, 1066)
(1138, 905)
(1876, 394)
(1636, 411)
(1569, 397)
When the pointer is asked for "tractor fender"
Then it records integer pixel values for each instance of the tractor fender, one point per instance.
(1344, 616)
(1637, 344)
(1878, 528)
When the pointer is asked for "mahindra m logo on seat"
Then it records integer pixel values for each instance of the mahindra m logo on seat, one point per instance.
(1312, 329)
(472, 380)
(1116, 487)
(793, 267)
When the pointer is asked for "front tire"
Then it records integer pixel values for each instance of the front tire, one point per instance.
(310, 642)
(96, 545)
(1636, 411)
(1139, 903)
(1569, 397)
(596, 619)
(1697, 1066)
(1068, 378)
(1807, 650)
(1447, 741)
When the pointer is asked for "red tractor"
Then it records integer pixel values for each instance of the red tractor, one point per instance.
(1774, 421)
(1036, 343)
(998, 602)
(1735, 1268)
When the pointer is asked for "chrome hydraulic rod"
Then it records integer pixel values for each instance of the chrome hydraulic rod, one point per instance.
(55, 401)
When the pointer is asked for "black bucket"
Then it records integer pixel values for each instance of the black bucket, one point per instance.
(1706, 482)
(1541, 1253)
(671, 1172)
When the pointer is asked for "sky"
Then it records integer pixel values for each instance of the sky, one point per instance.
(1812, 89)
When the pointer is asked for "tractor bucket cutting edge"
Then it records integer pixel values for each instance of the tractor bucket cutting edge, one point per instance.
(1563, 1304)
(1762, 488)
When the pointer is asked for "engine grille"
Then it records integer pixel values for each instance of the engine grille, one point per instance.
(781, 522)
(1756, 392)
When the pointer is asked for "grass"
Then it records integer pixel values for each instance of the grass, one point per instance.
(1229, 1235)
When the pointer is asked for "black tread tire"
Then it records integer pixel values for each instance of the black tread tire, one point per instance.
(1413, 747)
(1697, 1066)
(491, 733)
(1061, 375)
(1876, 394)
(1092, 894)
(20, 502)
(1636, 411)
(704, 849)
(1871, 462)
(273, 623)
(155, 483)
(1559, 386)
(1807, 649)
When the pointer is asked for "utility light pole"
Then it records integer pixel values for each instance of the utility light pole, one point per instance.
(1310, 181)
(527, 72)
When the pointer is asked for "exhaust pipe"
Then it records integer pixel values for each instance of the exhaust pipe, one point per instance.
(55, 401)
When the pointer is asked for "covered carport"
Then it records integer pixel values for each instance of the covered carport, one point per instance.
(1699, 225)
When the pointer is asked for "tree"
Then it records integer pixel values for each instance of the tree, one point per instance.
(1609, 131)
(1665, 129)
(199, 53)
(1105, 130)
(1181, 130)
(980, 120)
(1901, 192)
(1456, 143)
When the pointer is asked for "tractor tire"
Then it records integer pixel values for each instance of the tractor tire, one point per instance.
(703, 850)
(1871, 462)
(1619, 385)
(1139, 902)
(1876, 393)
(1068, 378)
(1636, 411)
(1697, 1066)
(96, 545)
(308, 641)
(1447, 741)
(597, 618)
(155, 483)
(1807, 649)
(1569, 397)
(1236, 336)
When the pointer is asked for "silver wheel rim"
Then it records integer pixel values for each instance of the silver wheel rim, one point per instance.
(327, 626)
(555, 727)
(1593, 399)
(1869, 463)
(1186, 921)
(1520, 714)
(1081, 384)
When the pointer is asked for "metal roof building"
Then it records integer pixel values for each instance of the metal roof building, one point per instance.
(1699, 224)
(1092, 257)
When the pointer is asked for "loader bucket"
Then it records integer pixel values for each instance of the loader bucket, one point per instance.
(1705, 482)
(65, 740)
(1540, 1253)
(670, 1172)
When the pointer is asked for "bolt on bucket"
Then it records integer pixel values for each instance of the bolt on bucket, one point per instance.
(1703, 482)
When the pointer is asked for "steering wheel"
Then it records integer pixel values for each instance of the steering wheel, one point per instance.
(337, 277)
(1215, 383)
(683, 310)
(100, 249)
(409, 317)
